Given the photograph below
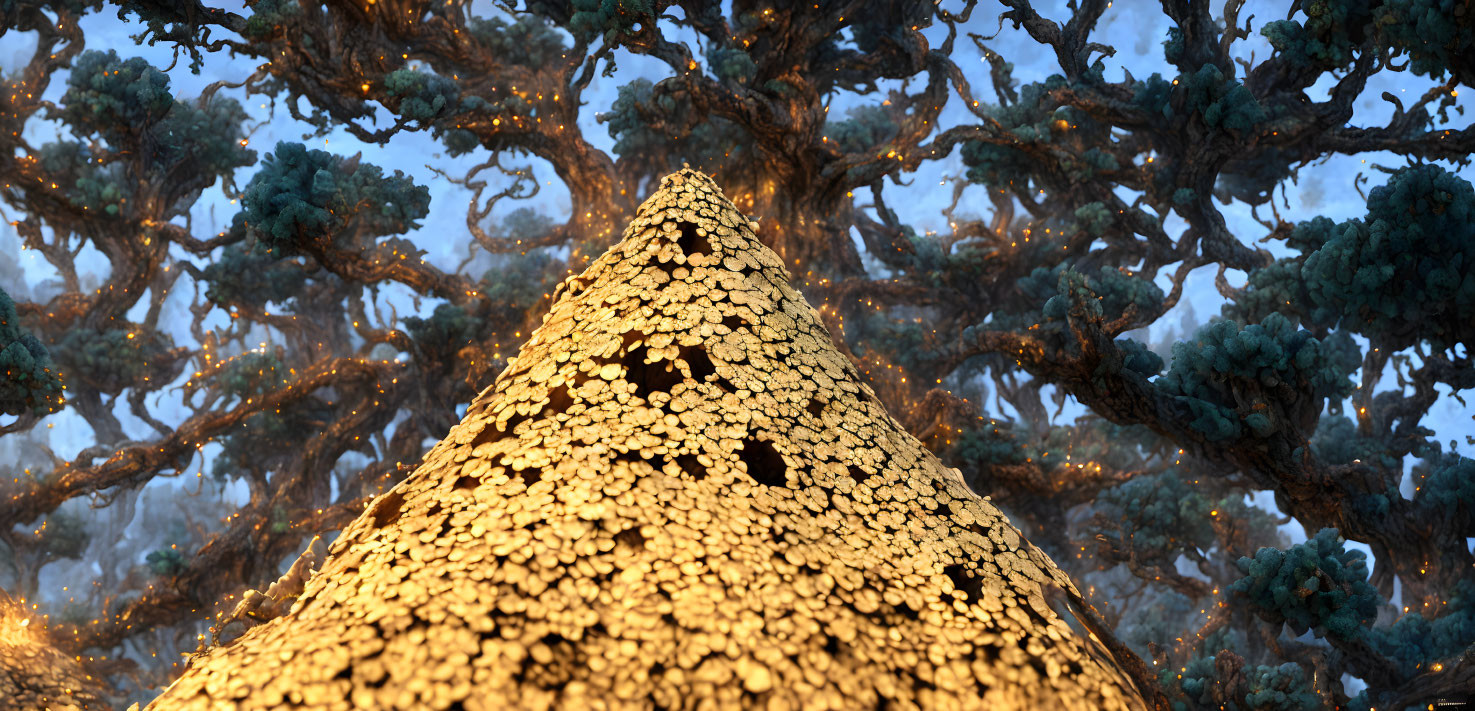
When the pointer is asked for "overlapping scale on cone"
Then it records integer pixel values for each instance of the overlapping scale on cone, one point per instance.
(34, 674)
(679, 495)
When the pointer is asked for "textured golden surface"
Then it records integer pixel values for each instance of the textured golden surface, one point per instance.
(34, 674)
(679, 495)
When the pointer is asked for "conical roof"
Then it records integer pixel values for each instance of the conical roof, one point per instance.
(678, 495)
(34, 674)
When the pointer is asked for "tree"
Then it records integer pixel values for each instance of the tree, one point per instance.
(1088, 200)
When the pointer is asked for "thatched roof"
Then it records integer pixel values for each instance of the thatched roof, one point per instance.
(678, 495)
(34, 674)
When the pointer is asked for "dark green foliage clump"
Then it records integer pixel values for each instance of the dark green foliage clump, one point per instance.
(712, 144)
(1408, 271)
(265, 438)
(107, 95)
(128, 104)
(510, 289)
(1030, 121)
(301, 197)
(731, 64)
(988, 444)
(114, 359)
(1333, 29)
(209, 137)
(268, 16)
(528, 41)
(1137, 358)
(29, 385)
(1275, 288)
(1159, 516)
(1108, 294)
(1316, 585)
(1414, 640)
(522, 281)
(449, 328)
(909, 344)
(247, 276)
(64, 535)
(1094, 217)
(1154, 95)
(1285, 687)
(423, 96)
(591, 18)
(1336, 442)
(166, 561)
(864, 128)
(1226, 365)
(102, 190)
(252, 373)
(1437, 40)
(1447, 488)
(1222, 102)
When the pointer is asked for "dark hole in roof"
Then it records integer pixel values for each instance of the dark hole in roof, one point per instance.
(689, 241)
(765, 464)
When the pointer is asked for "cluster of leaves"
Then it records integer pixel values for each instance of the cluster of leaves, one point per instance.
(448, 328)
(1414, 640)
(527, 41)
(166, 562)
(731, 64)
(251, 373)
(1327, 38)
(29, 385)
(863, 129)
(961, 268)
(510, 289)
(302, 197)
(129, 105)
(910, 344)
(1109, 293)
(1336, 441)
(593, 18)
(1223, 377)
(1033, 119)
(521, 281)
(108, 96)
(426, 96)
(1447, 488)
(1436, 40)
(1219, 101)
(1321, 587)
(267, 16)
(111, 360)
(102, 189)
(1222, 102)
(1158, 516)
(1316, 585)
(1401, 275)
(986, 445)
(1408, 271)
(265, 437)
(64, 535)
(247, 274)
(711, 143)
